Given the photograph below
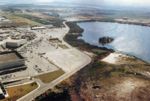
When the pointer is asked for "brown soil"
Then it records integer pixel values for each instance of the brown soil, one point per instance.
(106, 82)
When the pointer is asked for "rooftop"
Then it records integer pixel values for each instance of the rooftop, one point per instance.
(9, 56)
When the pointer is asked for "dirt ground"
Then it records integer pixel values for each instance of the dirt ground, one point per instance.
(102, 81)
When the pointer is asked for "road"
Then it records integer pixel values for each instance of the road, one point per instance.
(44, 87)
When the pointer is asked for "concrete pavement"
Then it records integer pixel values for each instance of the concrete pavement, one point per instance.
(44, 87)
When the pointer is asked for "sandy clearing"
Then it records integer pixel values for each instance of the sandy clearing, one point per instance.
(113, 58)
(126, 87)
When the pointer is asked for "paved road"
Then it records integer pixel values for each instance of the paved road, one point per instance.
(44, 87)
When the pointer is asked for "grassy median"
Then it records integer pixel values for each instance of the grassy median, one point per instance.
(46, 78)
(19, 91)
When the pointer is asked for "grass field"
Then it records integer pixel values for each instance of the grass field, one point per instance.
(46, 78)
(21, 20)
(33, 18)
(19, 91)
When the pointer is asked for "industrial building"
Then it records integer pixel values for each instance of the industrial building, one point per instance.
(37, 27)
(15, 43)
(11, 62)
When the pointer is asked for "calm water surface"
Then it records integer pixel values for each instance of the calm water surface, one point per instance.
(129, 39)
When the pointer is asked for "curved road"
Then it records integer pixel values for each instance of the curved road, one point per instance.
(44, 87)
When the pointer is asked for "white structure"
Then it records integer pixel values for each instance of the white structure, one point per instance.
(38, 27)
(2, 18)
(3, 92)
(2, 95)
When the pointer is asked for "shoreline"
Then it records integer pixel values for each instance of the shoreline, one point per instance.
(113, 21)
(88, 46)
(72, 38)
(95, 66)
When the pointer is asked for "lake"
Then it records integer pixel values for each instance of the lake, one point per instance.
(129, 39)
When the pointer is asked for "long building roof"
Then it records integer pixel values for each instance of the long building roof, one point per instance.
(8, 57)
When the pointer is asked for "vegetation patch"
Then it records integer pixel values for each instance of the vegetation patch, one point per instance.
(20, 20)
(74, 28)
(19, 91)
(55, 96)
(55, 22)
(46, 78)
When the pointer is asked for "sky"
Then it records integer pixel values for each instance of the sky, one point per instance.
(97, 2)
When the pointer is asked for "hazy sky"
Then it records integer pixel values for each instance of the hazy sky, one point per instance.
(98, 2)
